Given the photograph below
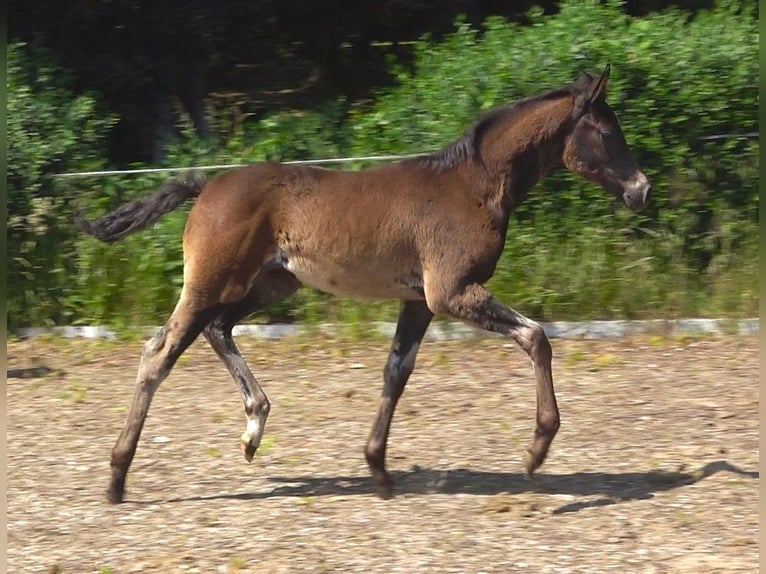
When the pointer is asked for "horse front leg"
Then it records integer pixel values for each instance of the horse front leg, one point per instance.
(474, 304)
(414, 318)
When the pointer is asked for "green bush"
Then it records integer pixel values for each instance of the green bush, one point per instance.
(678, 82)
(50, 130)
(571, 251)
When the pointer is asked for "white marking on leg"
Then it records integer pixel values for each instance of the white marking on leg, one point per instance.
(252, 434)
(526, 332)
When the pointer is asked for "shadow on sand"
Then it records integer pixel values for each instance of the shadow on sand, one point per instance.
(611, 488)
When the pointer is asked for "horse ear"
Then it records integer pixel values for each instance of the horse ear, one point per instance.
(598, 92)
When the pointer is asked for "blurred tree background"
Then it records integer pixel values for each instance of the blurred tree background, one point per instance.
(123, 83)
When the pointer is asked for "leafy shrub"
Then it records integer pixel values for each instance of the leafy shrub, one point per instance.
(49, 130)
(571, 252)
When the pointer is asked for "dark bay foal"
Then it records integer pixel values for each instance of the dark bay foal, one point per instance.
(427, 231)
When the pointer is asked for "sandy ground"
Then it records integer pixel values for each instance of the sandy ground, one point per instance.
(655, 468)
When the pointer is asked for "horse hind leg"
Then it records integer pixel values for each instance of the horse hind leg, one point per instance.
(159, 355)
(273, 286)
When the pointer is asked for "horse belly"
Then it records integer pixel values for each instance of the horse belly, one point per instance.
(358, 281)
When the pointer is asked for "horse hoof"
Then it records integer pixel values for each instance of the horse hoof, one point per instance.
(116, 491)
(530, 464)
(248, 449)
(385, 492)
(115, 496)
(384, 487)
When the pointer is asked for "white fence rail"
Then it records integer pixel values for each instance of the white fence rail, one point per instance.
(442, 331)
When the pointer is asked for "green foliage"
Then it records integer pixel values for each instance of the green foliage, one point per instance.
(49, 130)
(572, 251)
(133, 281)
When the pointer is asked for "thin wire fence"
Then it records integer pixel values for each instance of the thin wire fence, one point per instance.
(326, 161)
(234, 165)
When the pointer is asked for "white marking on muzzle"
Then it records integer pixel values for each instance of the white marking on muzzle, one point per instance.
(638, 184)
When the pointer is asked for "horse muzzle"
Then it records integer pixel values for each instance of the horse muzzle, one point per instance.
(636, 191)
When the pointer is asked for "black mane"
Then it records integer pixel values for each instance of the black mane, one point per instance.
(467, 146)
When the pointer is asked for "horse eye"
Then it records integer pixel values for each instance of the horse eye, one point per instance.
(605, 134)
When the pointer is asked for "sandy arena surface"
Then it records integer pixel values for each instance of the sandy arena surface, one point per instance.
(655, 468)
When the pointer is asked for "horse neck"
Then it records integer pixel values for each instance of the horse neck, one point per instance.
(523, 148)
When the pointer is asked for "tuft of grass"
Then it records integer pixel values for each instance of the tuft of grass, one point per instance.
(683, 518)
(235, 565)
(75, 392)
(517, 506)
(607, 360)
(441, 358)
(574, 358)
(339, 352)
(267, 443)
(302, 347)
(306, 501)
(688, 337)
(293, 460)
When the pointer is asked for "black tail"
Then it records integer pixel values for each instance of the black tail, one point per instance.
(143, 212)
